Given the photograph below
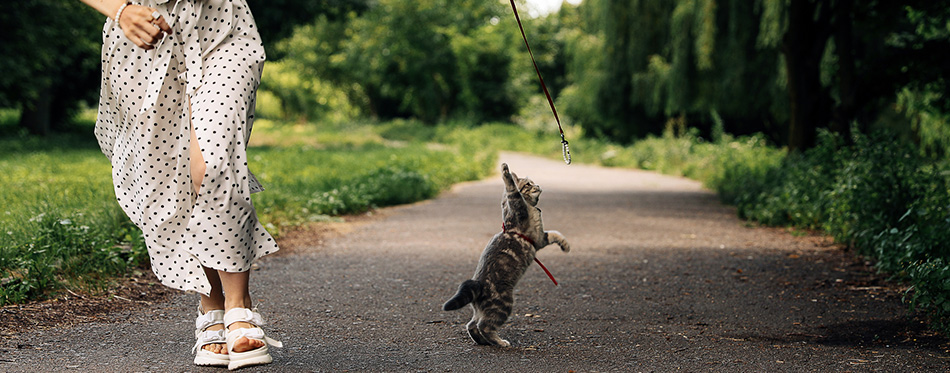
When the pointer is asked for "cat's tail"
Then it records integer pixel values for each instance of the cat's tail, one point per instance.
(467, 292)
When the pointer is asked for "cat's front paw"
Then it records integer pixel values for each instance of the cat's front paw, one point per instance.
(504, 169)
(558, 238)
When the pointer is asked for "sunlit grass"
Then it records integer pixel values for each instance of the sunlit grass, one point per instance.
(307, 183)
(59, 223)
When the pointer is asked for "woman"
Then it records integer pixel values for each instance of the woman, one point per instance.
(179, 79)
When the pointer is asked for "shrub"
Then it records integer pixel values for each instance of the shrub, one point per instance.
(876, 194)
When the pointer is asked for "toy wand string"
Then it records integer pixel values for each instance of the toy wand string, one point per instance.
(565, 150)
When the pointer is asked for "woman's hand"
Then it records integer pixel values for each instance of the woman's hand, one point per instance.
(141, 28)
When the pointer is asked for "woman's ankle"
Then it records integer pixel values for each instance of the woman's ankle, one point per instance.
(211, 303)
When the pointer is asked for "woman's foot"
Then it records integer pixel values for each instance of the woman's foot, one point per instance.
(211, 338)
(247, 343)
(216, 348)
(242, 344)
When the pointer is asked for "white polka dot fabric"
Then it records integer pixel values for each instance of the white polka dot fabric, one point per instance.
(212, 60)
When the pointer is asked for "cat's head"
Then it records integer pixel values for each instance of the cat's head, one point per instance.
(529, 190)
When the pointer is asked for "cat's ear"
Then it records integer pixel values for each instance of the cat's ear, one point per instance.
(514, 176)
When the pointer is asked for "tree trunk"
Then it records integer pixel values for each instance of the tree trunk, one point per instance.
(36, 114)
(803, 45)
(844, 48)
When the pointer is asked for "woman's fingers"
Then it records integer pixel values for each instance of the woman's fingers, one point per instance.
(162, 25)
(142, 27)
(148, 42)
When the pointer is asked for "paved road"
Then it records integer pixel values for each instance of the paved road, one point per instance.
(662, 277)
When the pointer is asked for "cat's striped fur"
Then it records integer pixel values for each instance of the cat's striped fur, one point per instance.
(505, 259)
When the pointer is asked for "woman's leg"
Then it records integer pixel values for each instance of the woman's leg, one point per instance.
(197, 163)
(212, 302)
(237, 295)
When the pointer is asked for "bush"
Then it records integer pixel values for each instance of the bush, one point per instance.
(875, 194)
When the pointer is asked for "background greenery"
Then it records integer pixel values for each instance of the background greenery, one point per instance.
(821, 114)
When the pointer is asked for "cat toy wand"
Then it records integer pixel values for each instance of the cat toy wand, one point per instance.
(565, 150)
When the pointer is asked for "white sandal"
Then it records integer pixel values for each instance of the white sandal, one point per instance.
(206, 337)
(253, 357)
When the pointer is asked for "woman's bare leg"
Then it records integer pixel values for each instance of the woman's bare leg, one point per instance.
(214, 301)
(197, 163)
(236, 295)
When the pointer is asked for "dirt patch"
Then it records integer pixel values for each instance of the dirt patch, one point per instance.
(312, 236)
(139, 290)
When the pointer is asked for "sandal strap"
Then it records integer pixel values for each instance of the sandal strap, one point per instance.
(251, 317)
(210, 318)
(253, 333)
(208, 337)
(243, 315)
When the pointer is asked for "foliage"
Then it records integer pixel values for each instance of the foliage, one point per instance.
(59, 224)
(276, 19)
(430, 60)
(637, 64)
(351, 169)
(286, 95)
(928, 119)
(782, 68)
(876, 194)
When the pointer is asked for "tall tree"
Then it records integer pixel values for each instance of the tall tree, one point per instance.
(785, 67)
(697, 59)
(803, 45)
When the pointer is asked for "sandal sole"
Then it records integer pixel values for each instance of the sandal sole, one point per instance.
(255, 360)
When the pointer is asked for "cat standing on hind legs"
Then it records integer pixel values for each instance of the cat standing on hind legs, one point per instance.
(504, 260)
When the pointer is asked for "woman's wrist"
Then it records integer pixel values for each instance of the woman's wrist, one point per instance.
(108, 8)
(118, 13)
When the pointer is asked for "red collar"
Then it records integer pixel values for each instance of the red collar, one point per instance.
(504, 228)
(526, 238)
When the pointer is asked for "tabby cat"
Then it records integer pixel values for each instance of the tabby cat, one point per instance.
(505, 259)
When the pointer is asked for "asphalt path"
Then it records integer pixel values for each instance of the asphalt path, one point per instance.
(661, 277)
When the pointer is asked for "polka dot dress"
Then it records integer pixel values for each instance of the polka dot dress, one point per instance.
(213, 62)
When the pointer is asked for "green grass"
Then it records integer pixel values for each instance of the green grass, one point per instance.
(59, 223)
(349, 168)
